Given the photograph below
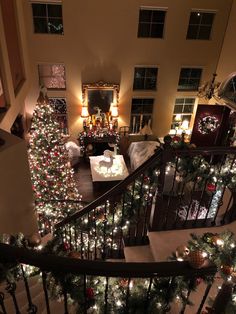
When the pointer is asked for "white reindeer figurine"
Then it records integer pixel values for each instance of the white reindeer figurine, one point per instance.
(107, 163)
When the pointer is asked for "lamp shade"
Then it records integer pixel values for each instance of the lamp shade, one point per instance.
(84, 112)
(178, 117)
(114, 112)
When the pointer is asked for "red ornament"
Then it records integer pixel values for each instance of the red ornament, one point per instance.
(211, 187)
(66, 246)
(89, 293)
(176, 139)
(198, 281)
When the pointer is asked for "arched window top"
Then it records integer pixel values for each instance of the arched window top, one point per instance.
(227, 89)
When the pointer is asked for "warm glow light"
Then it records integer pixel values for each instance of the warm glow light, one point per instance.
(114, 112)
(185, 125)
(178, 118)
(84, 112)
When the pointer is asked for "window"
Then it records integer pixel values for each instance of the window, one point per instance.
(47, 18)
(145, 78)
(189, 79)
(141, 113)
(183, 111)
(200, 25)
(52, 76)
(60, 109)
(151, 23)
(229, 89)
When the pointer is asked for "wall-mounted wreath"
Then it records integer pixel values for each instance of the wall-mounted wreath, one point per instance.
(208, 124)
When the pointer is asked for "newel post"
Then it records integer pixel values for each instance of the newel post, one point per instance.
(167, 156)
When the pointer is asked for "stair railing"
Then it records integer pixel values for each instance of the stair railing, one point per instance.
(161, 194)
(197, 188)
(104, 279)
(98, 230)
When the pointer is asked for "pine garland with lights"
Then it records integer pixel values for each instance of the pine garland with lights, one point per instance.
(51, 173)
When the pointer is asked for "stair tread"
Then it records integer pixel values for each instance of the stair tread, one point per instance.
(138, 254)
(164, 243)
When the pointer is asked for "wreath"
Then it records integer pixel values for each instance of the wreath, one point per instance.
(207, 124)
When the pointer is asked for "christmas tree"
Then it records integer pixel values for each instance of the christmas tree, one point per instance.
(51, 173)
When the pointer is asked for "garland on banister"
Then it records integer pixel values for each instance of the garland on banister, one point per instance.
(198, 169)
(162, 292)
(217, 248)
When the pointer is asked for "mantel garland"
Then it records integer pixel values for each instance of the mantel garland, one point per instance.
(97, 135)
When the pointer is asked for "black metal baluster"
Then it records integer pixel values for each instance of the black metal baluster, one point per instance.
(88, 233)
(148, 293)
(2, 303)
(81, 245)
(85, 294)
(122, 221)
(95, 231)
(127, 297)
(218, 206)
(199, 311)
(65, 299)
(191, 198)
(112, 230)
(170, 196)
(139, 206)
(32, 307)
(11, 289)
(44, 279)
(200, 201)
(131, 209)
(75, 237)
(185, 302)
(227, 210)
(179, 203)
(146, 213)
(106, 296)
(104, 232)
(70, 236)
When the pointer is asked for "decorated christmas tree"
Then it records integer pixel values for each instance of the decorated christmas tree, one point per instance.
(51, 173)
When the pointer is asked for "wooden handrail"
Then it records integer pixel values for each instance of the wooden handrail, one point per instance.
(65, 265)
(216, 150)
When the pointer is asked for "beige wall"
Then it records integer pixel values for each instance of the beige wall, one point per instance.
(16, 197)
(100, 43)
(16, 103)
(227, 61)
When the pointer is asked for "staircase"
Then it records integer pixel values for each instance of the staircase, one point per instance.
(21, 304)
(128, 233)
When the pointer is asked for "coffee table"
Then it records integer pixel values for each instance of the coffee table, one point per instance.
(103, 177)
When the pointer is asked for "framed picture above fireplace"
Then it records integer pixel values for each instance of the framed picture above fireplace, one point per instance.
(100, 95)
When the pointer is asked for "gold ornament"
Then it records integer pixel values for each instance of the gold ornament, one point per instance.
(216, 240)
(196, 259)
(74, 254)
(182, 252)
